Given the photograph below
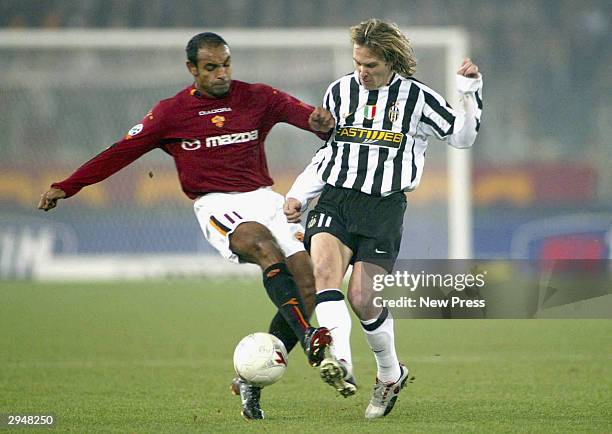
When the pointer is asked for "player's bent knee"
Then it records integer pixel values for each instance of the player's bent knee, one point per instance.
(255, 243)
(248, 235)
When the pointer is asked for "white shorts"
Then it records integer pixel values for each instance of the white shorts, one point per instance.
(219, 214)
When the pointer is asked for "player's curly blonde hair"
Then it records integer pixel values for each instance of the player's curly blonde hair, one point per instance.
(387, 41)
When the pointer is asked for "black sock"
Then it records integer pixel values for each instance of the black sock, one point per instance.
(284, 293)
(282, 330)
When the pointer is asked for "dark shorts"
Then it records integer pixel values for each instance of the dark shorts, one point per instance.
(370, 226)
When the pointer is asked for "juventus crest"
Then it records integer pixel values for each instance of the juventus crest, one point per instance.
(393, 112)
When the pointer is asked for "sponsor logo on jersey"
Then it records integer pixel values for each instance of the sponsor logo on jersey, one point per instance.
(218, 121)
(366, 136)
(369, 111)
(215, 111)
(230, 139)
(191, 145)
(393, 112)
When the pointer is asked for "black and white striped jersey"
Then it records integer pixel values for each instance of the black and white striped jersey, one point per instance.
(379, 142)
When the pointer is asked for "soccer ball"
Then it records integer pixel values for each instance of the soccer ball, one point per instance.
(260, 359)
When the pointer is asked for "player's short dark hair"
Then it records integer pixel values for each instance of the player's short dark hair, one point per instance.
(200, 40)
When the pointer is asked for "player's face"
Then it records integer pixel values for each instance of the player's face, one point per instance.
(373, 71)
(213, 72)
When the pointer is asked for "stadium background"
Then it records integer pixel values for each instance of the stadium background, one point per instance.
(155, 355)
(542, 184)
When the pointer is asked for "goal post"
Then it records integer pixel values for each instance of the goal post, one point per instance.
(118, 74)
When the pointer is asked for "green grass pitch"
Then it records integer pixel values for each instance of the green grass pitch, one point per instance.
(157, 357)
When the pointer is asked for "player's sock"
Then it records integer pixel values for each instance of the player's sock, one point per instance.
(333, 313)
(283, 331)
(380, 337)
(284, 293)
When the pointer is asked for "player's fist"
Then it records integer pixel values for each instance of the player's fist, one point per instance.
(468, 69)
(321, 120)
(292, 210)
(48, 200)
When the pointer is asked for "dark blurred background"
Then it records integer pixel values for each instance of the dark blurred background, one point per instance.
(547, 62)
(542, 162)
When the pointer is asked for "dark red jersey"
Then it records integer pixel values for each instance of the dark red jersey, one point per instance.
(217, 144)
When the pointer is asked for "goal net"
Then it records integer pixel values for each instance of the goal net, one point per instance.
(66, 95)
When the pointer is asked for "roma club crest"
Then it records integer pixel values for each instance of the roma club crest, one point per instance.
(218, 120)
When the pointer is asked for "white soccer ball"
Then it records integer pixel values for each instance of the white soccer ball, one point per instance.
(260, 359)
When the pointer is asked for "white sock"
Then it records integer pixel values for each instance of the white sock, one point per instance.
(333, 313)
(381, 339)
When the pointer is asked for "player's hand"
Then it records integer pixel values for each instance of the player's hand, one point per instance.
(321, 120)
(292, 210)
(468, 69)
(49, 198)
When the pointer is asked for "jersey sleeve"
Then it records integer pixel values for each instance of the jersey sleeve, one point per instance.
(140, 139)
(458, 128)
(308, 184)
(286, 108)
(330, 103)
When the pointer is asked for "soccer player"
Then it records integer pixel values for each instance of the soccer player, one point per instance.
(383, 117)
(215, 131)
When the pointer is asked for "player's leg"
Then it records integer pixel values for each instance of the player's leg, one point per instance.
(219, 216)
(236, 225)
(300, 267)
(377, 324)
(330, 247)
(330, 261)
(253, 242)
(378, 221)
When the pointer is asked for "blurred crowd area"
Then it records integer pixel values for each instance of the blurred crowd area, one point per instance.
(547, 63)
(543, 153)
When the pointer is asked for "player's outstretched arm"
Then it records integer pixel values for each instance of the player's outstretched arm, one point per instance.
(469, 84)
(48, 200)
(305, 187)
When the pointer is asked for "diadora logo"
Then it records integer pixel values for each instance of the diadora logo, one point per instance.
(191, 145)
(215, 111)
(229, 139)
